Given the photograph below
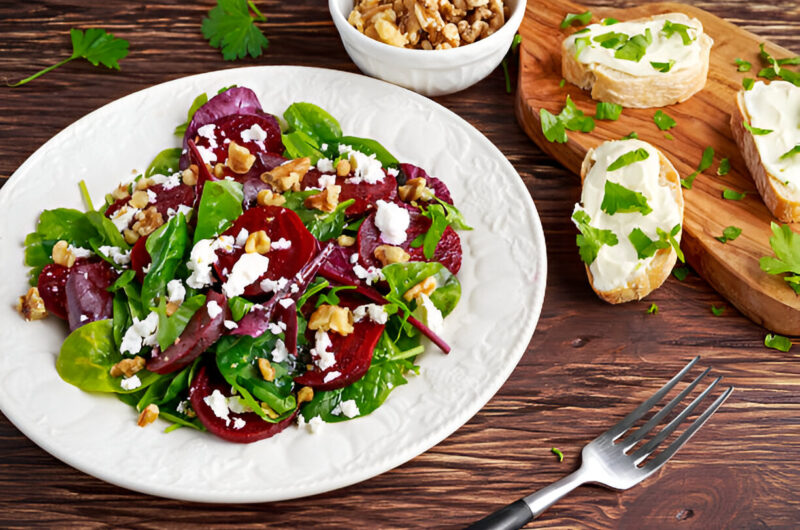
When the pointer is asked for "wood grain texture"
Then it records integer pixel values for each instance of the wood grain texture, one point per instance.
(732, 268)
(588, 363)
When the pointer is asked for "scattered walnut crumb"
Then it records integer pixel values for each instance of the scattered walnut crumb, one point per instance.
(288, 175)
(31, 305)
(148, 415)
(305, 394)
(332, 317)
(388, 254)
(326, 200)
(426, 287)
(128, 367)
(270, 198)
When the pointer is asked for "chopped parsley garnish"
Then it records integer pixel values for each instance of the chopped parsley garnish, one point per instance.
(632, 136)
(607, 111)
(231, 28)
(581, 43)
(663, 67)
(668, 136)
(95, 45)
(619, 199)
(717, 310)
(635, 47)
(653, 309)
(646, 247)
(705, 163)
(724, 167)
(791, 152)
(755, 130)
(558, 453)
(609, 21)
(571, 18)
(611, 40)
(729, 234)
(733, 195)
(663, 120)
(785, 244)
(670, 28)
(680, 273)
(743, 66)
(591, 239)
(562, 83)
(570, 117)
(552, 127)
(776, 67)
(748, 83)
(631, 157)
(777, 342)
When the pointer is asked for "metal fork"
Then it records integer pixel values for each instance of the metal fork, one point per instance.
(609, 461)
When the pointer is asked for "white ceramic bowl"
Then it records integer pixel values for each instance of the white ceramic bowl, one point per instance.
(429, 72)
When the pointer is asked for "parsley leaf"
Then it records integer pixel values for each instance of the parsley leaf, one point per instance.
(94, 45)
(635, 47)
(777, 342)
(755, 130)
(786, 246)
(631, 136)
(748, 83)
(571, 18)
(663, 121)
(646, 247)
(591, 239)
(653, 309)
(775, 68)
(618, 198)
(609, 21)
(729, 234)
(680, 273)
(628, 158)
(515, 42)
(230, 27)
(558, 453)
(607, 111)
(733, 195)
(791, 152)
(724, 167)
(717, 310)
(663, 67)
(705, 163)
(562, 83)
(670, 28)
(552, 127)
(743, 66)
(574, 119)
(611, 40)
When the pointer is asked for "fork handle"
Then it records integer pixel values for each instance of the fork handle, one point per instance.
(510, 517)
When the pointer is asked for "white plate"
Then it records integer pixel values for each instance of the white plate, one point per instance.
(503, 280)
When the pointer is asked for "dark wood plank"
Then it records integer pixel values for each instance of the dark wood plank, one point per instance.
(588, 364)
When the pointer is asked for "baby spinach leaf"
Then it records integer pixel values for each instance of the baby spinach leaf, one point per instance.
(618, 198)
(332, 297)
(591, 239)
(167, 388)
(371, 147)
(121, 317)
(323, 226)
(239, 307)
(86, 358)
(631, 157)
(166, 247)
(198, 102)
(171, 327)
(165, 162)
(313, 121)
(220, 205)
(299, 145)
(403, 276)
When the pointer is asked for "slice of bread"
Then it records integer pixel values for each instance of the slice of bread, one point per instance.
(645, 279)
(649, 89)
(782, 200)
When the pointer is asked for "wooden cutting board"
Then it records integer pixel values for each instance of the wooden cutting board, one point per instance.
(732, 268)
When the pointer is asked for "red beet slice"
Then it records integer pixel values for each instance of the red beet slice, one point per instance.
(353, 352)
(254, 428)
(201, 332)
(140, 258)
(365, 195)
(338, 266)
(86, 292)
(448, 251)
(166, 200)
(439, 188)
(51, 284)
(278, 223)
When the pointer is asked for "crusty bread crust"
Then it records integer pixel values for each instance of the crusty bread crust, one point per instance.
(650, 278)
(773, 191)
(610, 85)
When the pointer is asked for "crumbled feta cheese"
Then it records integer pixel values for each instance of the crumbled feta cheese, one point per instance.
(280, 353)
(84, 318)
(324, 358)
(230, 324)
(376, 313)
(271, 286)
(122, 217)
(370, 275)
(392, 220)
(238, 423)
(254, 134)
(218, 404)
(354, 257)
(274, 328)
(286, 303)
(323, 147)
(183, 406)
(325, 165)
(208, 155)
(184, 209)
(202, 257)
(146, 268)
(241, 239)
(281, 244)
(141, 332)
(173, 181)
(116, 254)
(131, 383)
(393, 171)
(151, 197)
(294, 288)
(237, 406)
(326, 180)
(176, 292)
(349, 408)
(245, 271)
(79, 252)
(213, 308)
(301, 421)
(433, 317)
(315, 424)
(367, 168)
(207, 132)
(330, 376)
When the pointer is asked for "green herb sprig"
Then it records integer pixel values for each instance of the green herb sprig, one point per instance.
(231, 27)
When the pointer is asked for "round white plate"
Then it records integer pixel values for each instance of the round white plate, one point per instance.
(503, 280)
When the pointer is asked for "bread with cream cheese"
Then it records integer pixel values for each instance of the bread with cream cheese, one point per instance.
(775, 107)
(588, 60)
(660, 182)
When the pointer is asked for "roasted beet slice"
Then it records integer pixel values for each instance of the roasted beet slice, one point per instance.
(448, 251)
(253, 429)
(202, 331)
(279, 223)
(86, 292)
(140, 259)
(353, 352)
(439, 188)
(51, 284)
(339, 267)
(165, 200)
(365, 195)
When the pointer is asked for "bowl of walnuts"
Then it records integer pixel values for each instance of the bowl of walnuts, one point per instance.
(434, 47)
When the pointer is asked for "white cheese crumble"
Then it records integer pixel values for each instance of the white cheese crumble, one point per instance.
(367, 168)
(176, 292)
(270, 286)
(330, 376)
(376, 313)
(230, 324)
(141, 332)
(315, 424)
(433, 317)
(238, 423)
(254, 134)
(131, 383)
(173, 181)
(245, 271)
(393, 171)
(116, 254)
(79, 252)
(237, 406)
(122, 217)
(213, 308)
(241, 239)
(349, 408)
(286, 303)
(324, 358)
(325, 165)
(326, 180)
(151, 196)
(392, 220)
(207, 132)
(354, 257)
(280, 353)
(84, 318)
(281, 244)
(202, 257)
(370, 275)
(208, 155)
(218, 404)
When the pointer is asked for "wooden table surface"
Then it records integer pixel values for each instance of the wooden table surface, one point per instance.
(588, 363)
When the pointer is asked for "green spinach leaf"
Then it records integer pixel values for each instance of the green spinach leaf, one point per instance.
(220, 205)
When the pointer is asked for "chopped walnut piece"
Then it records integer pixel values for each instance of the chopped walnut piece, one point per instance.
(130, 236)
(62, 255)
(31, 305)
(388, 254)
(345, 240)
(143, 183)
(326, 200)
(128, 367)
(239, 158)
(269, 410)
(389, 33)
(266, 369)
(414, 190)
(189, 175)
(332, 317)
(139, 199)
(426, 286)
(305, 394)
(288, 175)
(147, 221)
(219, 170)
(148, 415)
(257, 242)
(270, 198)
(121, 192)
(171, 308)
